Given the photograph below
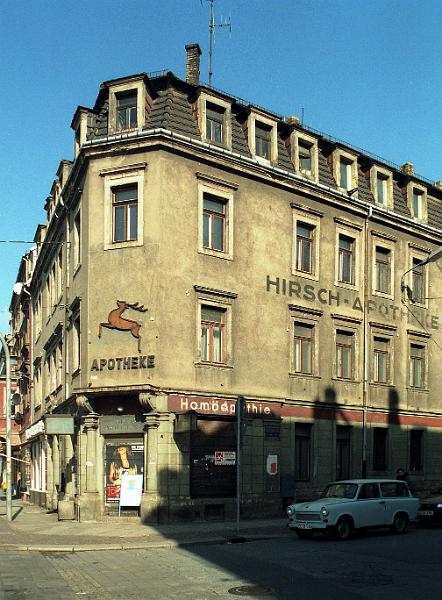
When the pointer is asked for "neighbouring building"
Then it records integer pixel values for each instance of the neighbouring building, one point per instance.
(197, 249)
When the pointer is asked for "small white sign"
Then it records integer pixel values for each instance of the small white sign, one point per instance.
(225, 457)
(272, 464)
(131, 490)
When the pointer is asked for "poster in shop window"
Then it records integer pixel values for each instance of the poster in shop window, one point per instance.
(121, 458)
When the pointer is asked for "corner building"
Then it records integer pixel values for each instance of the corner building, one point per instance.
(200, 248)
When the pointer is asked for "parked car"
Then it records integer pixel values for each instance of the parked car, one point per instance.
(355, 504)
(430, 509)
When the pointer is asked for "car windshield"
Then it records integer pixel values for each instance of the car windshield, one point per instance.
(340, 490)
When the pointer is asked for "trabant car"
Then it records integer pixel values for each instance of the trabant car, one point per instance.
(355, 504)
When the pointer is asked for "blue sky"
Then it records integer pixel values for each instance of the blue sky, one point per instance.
(365, 71)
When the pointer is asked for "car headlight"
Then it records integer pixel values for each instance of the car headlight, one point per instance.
(290, 511)
(439, 506)
(324, 511)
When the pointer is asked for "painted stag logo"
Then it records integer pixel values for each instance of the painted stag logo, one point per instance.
(115, 320)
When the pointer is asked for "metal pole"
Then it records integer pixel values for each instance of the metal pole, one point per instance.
(239, 410)
(7, 401)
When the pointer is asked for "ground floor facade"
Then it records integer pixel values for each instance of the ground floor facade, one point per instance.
(185, 448)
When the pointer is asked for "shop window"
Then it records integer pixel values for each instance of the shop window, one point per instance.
(303, 443)
(343, 452)
(416, 449)
(380, 438)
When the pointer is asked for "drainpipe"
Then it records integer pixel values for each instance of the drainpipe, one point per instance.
(7, 403)
(368, 275)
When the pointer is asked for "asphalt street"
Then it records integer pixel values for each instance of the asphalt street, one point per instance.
(377, 566)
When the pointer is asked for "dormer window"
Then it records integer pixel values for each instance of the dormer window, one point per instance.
(126, 111)
(262, 137)
(304, 154)
(417, 201)
(381, 190)
(214, 123)
(381, 182)
(345, 170)
(214, 120)
(262, 140)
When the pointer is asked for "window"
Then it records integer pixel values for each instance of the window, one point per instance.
(343, 451)
(59, 275)
(381, 360)
(125, 213)
(77, 239)
(303, 348)
(214, 222)
(304, 247)
(346, 260)
(417, 204)
(214, 123)
(368, 491)
(305, 156)
(344, 354)
(126, 111)
(417, 280)
(212, 334)
(417, 365)
(381, 189)
(380, 436)
(383, 270)
(416, 454)
(303, 439)
(345, 173)
(262, 140)
(76, 343)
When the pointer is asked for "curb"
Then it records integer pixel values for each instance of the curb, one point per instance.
(169, 545)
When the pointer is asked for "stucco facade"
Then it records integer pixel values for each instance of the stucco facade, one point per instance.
(270, 269)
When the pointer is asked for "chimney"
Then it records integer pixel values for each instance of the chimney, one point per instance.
(408, 168)
(193, 52)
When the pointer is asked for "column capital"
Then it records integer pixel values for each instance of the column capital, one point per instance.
(147, 400)
(90, 421)
(152, 420)
(83, 403)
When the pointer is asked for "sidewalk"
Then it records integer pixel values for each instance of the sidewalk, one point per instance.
(32, 529)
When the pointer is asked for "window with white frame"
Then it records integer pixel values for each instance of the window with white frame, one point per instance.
(123, 206)
(125, 213)
(305, 247)
(76, 342)
(345, 169)
(262, 140)
(417, 280)
(345, 180)
(304, 154)
(418, 201)
(128, 101)
(215, 216)
(381, 190)
(306, 232)
(214, 123)
(77, 239)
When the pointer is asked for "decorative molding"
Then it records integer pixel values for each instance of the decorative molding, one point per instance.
(386, 326)
(383, 235)
(214, 292)
(316, 312)
(217, 180)
(347, 223)
(422, 334)
(124, 169)
(349, 319)
(306, 209)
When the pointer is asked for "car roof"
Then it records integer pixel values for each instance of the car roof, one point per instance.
(360, 481)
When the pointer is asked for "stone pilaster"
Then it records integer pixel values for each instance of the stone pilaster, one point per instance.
(150, 499)
(89, 499)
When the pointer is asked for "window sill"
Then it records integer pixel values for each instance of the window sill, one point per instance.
(423, 390)
(295, 375)
(347, 286)
(381, 385)
(354, 381)
(216, 253)
(304, 275)
(200, 363)
(120, 245)
(385, 295)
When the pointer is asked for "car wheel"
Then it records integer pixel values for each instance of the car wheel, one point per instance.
(343, 529)
(400, 523)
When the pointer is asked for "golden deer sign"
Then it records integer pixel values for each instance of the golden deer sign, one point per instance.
(115, 320)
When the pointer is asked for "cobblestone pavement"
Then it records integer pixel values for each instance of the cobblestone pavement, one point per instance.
(377, 566)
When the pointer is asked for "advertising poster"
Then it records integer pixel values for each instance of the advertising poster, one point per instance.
(121, 458)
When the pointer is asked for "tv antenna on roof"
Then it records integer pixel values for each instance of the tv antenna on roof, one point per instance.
(212, 28)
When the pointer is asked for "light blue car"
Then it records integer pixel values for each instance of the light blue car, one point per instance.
(355, 504)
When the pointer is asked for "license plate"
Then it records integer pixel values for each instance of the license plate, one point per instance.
(425, 513)
(304, 526)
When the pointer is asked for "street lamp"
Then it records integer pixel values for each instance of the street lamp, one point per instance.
(7, 402)
(435, 255)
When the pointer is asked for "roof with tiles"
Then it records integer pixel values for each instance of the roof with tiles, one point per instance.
(172, 109)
